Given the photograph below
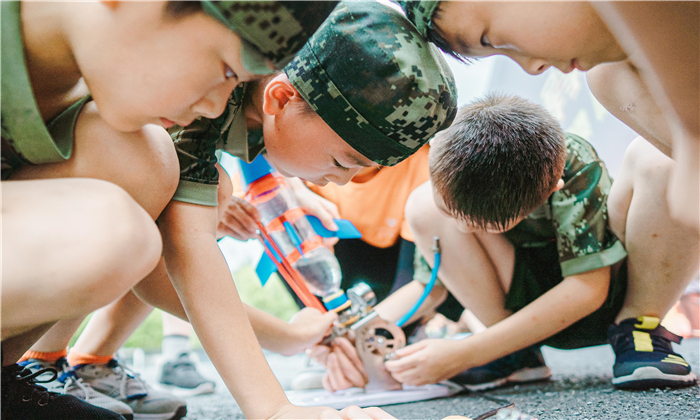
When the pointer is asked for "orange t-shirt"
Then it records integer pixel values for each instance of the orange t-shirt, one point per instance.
(376, 206)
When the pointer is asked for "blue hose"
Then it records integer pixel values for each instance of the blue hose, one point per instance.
(428, 287)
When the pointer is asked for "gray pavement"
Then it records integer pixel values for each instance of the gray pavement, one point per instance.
(580, 389)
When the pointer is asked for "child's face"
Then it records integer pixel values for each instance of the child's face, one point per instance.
(301, 144)
(537, 35)
(143, 67)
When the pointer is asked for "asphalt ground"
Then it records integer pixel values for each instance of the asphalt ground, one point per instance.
(580, 389)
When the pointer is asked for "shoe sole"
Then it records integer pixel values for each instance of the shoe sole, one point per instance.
(650, 377)
(205, 388)
(522, 376)
(177, 415)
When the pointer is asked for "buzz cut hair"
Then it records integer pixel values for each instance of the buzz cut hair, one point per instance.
(501, 159)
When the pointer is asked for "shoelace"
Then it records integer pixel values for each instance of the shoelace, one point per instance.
(29, 379)
(125, 373)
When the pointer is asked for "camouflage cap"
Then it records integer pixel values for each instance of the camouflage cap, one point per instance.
(420, 13)
(272, 31)
(375, 81)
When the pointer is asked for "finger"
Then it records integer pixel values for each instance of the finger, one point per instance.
(403, 352)
(378, 413)
(330, 242)
(319, 353)
(324, 216)
(331, 208)
(349, 350)
(335, 374)
(408, 362)
(350, 372)
(326, 381)
(242, 218)
(330, 317)
(354, 412)
(411, 377)
(245, 207)
(233, 219)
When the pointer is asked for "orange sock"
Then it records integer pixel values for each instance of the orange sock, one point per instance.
(76, 358)
(42, 355)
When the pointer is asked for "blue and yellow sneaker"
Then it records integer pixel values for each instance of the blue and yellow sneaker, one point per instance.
(644, 357)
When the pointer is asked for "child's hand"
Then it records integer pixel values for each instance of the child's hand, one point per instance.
(237, 219)
(353, 412)
(344, 369)
(426, 362)
(315, 205)
(309, 326)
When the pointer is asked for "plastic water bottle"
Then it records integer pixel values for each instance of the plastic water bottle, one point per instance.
(286, 224)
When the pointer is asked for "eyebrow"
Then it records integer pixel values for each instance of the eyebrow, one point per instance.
(358, 161)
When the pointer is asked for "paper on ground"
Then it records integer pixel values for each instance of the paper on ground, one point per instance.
(358, 396)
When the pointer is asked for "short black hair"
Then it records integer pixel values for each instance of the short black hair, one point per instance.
(434, 35)
(500, 159)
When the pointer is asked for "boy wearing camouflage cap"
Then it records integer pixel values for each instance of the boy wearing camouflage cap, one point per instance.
(90, 182)
(199, 174)
(545, 249)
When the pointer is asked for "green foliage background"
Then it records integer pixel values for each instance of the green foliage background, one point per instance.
(273, 299)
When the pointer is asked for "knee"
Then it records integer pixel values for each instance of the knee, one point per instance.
(122, 245)
(421, 212)
(143, 162)
(646, 163)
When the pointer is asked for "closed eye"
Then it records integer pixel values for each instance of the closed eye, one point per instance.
(338, 165)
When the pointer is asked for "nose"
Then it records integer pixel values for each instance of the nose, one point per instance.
(532, 66)
(213, 103)
(344, 177)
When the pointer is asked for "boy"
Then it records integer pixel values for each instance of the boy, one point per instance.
(98, 238)
(642, 69)
(544, 249)
(385, 125)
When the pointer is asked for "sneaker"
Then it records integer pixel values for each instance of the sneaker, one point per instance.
(311, 377)
(644, 357)
(181, 378)
(22, 399)
(68, 383)
(121, 383)
(526, 365)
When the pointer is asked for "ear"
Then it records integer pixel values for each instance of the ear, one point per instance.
(560, 185)
(278, 93)
(111, 4)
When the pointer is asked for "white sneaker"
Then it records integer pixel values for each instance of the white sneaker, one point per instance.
(125, 385)
(68, 383)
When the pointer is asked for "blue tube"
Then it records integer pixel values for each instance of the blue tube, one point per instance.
(428, 287)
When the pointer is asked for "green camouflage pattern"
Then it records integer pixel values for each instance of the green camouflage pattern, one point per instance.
(576, 216)
(272, 31)
(375, 81)
(420, 13)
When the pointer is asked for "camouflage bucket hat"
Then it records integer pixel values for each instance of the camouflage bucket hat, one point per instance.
(272, 31)
(420, 13)
(375, 81)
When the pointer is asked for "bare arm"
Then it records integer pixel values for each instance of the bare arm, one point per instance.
(204, 284)
(305, 329)
(398, 303)
(662, 40)
(576, 297)
(202, 280)
(621, 90)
